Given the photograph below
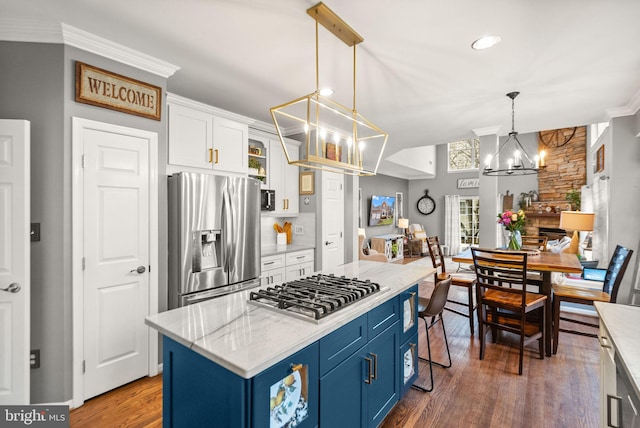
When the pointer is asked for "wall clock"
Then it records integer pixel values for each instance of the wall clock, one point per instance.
(426, 204)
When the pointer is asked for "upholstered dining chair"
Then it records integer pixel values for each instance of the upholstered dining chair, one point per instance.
(535, 242)
(503, 300)
(466, 280)
(432, 307)
(586, 296)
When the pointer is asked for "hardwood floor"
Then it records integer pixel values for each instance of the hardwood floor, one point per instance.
(561, 391)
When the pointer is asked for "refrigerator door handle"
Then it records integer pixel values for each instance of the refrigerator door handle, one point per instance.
(228, 229)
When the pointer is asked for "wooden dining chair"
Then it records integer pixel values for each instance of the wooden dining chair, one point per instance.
(466, 280)
(432, 307)
(535, 242)
(503, 300)
(586, 296)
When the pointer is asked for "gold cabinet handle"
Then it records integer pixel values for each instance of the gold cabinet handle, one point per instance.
(216, 156)
(210, 155)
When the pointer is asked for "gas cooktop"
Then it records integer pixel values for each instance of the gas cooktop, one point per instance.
(315, 297)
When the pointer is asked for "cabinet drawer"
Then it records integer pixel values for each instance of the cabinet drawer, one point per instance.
(299, 257)
(382, 317)
(273, 262)
(342, 343)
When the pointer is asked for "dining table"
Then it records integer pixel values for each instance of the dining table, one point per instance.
(544, 262)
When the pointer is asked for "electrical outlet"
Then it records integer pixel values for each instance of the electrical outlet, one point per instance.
(298, 230)
(34, 359)
(35, 232)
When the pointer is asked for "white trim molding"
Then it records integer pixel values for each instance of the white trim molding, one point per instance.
(24, 30)
(630, 109)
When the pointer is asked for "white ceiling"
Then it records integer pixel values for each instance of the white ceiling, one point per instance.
(575, 62)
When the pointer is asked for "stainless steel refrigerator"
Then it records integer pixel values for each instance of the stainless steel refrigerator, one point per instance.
(214, 236)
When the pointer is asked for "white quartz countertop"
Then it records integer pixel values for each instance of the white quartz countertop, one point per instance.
(623, 324)
(272, 250)
(247, 339)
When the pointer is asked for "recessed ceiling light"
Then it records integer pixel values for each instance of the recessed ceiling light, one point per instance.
(326, 92)
(485, 42)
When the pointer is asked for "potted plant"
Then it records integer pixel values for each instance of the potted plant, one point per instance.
(394, 249)
(574, 198)
(254, 169)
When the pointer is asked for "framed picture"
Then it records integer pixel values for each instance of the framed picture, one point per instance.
(306, 183)
(599, 165)
(468, 183)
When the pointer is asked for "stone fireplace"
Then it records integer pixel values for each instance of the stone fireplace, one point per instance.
(565, 170)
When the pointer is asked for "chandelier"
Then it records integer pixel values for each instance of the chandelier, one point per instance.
(336, 138)
(517, 161)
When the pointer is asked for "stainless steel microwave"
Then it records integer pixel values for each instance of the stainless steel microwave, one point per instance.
(267, 200)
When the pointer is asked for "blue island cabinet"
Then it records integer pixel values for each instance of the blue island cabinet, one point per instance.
(361, 370)
(197, 392)
(352, 377)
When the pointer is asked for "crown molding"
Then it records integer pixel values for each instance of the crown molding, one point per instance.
(490, 130)
(29, 30)
(629, 110)
(89, 42)
(197, 105)
(23, 30)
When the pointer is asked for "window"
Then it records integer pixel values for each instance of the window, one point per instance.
(595, 131)
(469, 221)
(464, 155)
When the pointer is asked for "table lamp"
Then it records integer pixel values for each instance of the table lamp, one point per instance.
(578, 222)
(403, 223)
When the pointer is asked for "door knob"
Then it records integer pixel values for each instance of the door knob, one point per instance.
(14, 287)
(327, 243)
(140, 269)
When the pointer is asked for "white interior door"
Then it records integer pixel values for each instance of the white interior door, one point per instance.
(14, 262)
(116, 256)
(332, 219)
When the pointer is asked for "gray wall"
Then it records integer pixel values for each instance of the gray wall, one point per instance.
(624, 188)
(446, 183)
(382, 185)
(38, 84)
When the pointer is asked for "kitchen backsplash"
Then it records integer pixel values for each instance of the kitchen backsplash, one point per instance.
(303, 226)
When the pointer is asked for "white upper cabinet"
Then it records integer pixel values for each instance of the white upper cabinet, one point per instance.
(200, 137)
(190, 137)
(230, 145)
(281, 177)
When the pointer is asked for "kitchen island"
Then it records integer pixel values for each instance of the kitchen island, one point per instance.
(222, 356)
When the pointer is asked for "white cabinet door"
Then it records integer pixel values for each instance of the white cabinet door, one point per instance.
(190, 137)
(200, 139)
(284, 178)
(273, 277)
(230, 145)
(277, 163)
(291, 181)
(299, 271)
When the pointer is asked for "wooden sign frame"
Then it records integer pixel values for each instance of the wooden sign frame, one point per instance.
(103, 88)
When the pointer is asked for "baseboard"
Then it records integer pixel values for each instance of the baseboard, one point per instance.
(587, 311)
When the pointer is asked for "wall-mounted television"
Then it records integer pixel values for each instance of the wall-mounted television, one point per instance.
(382, 210)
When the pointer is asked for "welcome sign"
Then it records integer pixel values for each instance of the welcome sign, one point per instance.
(102, 88)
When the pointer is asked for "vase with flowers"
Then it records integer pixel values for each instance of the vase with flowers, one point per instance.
(513, 222)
